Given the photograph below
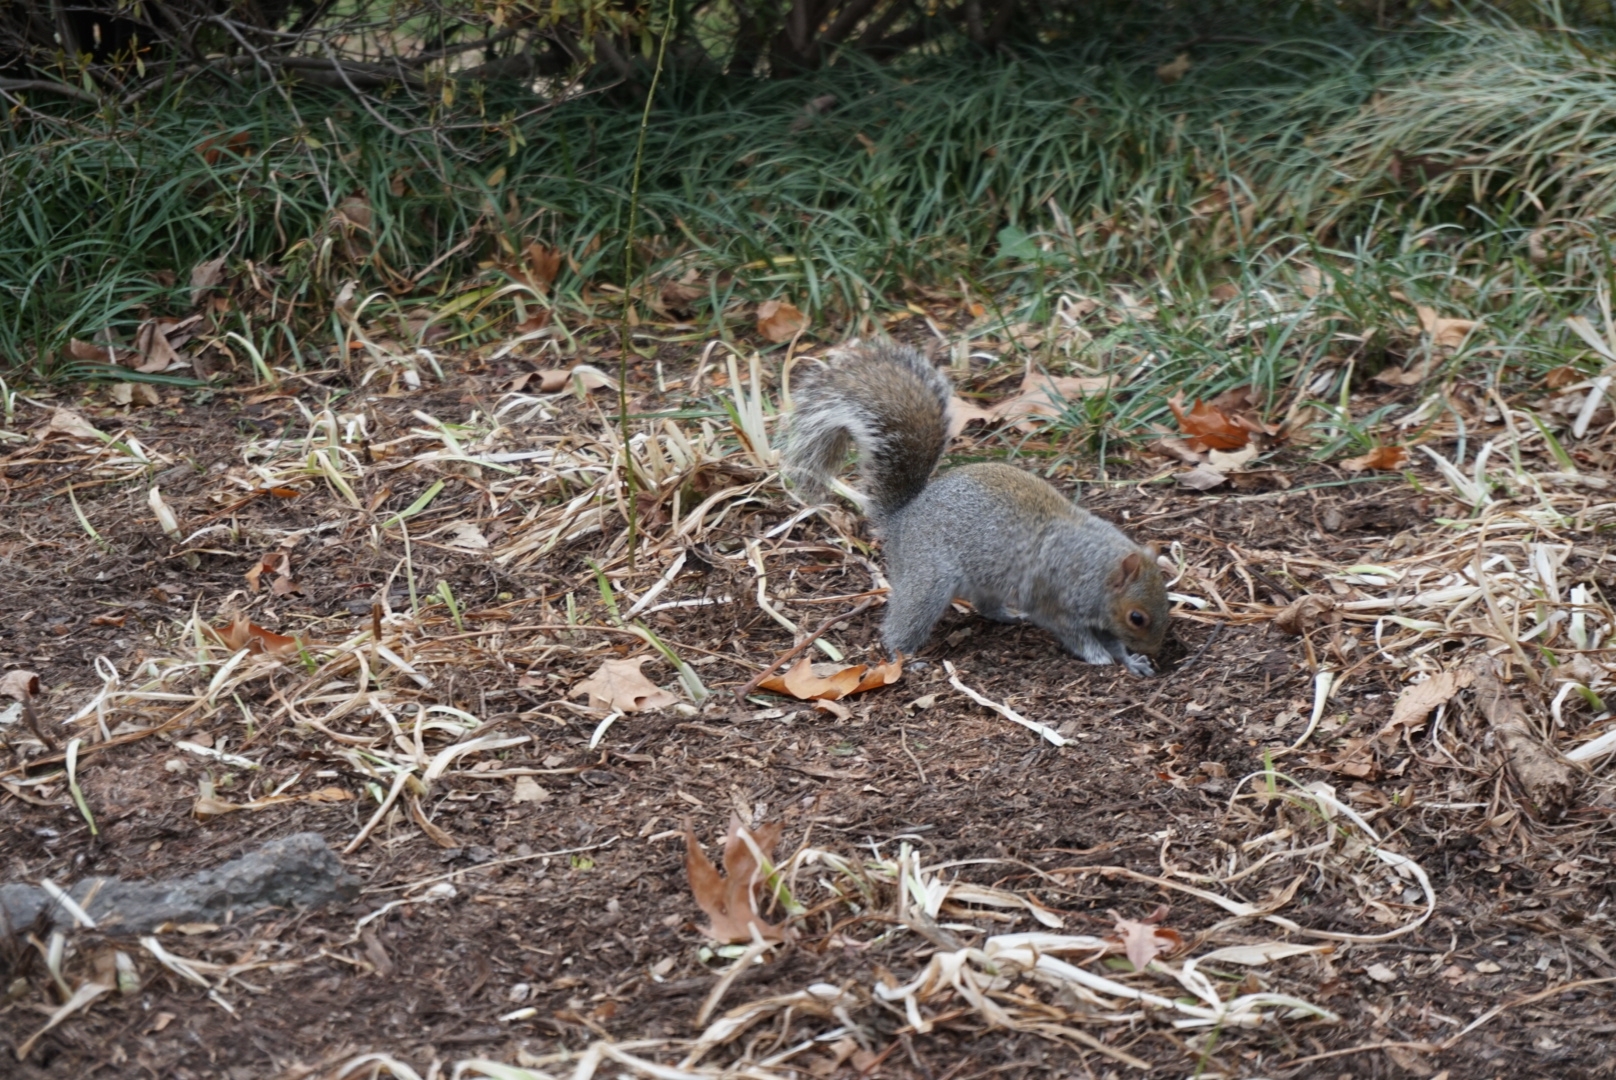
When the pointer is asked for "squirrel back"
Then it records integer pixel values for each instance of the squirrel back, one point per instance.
(999, 537)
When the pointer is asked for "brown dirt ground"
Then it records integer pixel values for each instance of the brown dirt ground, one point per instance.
(606, 943)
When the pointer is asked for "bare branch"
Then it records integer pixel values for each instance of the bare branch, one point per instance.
(45, 86)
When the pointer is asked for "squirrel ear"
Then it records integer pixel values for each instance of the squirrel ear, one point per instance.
(1128, 570)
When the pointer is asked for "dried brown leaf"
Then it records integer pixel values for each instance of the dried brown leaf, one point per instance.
(1175, 69)
(1412, 376)
(1381, 457)
(826, 682)
(731, 901)
(155, 351)
(1207, 426)
(780, 321)
(1419, 700)
(1043, 395)
(1304, 613)
(1562, 376)
(89, 350)
(962, 412)
(69, 424)
(243, 634)
(204, 276)
(527, 790)
(19, 684)
(543, 264)
(278, 564)
(1200, 478)
(1228, 461)
(1144, 939)
(1173, 447)
(618, 684)
(1445, 333)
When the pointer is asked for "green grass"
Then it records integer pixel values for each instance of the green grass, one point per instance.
(1414, 164)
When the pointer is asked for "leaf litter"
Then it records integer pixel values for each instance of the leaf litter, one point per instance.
(1508, 573)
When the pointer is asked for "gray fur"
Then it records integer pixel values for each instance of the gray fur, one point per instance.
(890, 402)
(998, 537)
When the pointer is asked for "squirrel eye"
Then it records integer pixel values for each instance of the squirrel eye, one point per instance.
(1138, 618)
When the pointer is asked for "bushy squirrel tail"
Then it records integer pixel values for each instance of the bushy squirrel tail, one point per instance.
(889, 402)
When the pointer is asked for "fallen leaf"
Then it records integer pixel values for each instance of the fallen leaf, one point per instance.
(1303, 613)
(1562, 376)
(71, 425)
(242, 634)
(834, 708)
(543, 264)
(1228, 461)
(810, 682)
(1047, 395)
(618, 684)
(1200, 478)
(204, 276)
(279, 565)
(467, 537)
(779, 320)
(1412, 376)
(731, 901)
(156, 352)
(1145, 939)
(527, 790)
(93, 352)
(19, 684)
(962, 412)
(1175, 69)
(1170, 446)
(1381, 457)
(1445, 333)
(584, 377)
(1208, 427)
(1418, 700)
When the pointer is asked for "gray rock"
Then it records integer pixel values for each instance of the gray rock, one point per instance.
(298, 871)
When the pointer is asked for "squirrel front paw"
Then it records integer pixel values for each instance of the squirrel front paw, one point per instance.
(1139, 665)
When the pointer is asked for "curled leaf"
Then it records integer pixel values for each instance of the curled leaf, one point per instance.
(825, 682)
(731, 901)
(1303, 613)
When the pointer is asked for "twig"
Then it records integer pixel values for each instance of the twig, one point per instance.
(903, 740)
(45, 86)
(32, 718)
(797, 649)
(1424, 1047)
(1043, 730)
(1527, 1000)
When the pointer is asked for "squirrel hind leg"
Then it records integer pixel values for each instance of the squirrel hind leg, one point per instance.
(913, 609)
(997, 612)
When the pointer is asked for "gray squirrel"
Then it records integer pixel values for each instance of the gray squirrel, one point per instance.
(1001, 538)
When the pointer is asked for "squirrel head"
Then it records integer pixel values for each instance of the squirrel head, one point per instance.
(1139, 602)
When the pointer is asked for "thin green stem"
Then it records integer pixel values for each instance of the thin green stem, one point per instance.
(625, 339)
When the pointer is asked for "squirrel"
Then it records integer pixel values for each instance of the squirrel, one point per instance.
(1001, 538)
